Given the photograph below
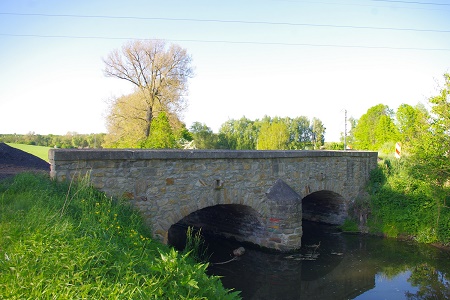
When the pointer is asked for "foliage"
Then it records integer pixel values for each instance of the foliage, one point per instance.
(318, 133)
(273, 135)
(239, 134)
(69, 241)
(375, 128)
(126, 122)
(203, 136)
(126, 126)
(158, 72)
(350, 225)
(195, 245)
(300, 133)
(432, 283)
(334, 145)
(431, 152)
(410, 196)
(402, 205)
(162, 136)
(412, 123)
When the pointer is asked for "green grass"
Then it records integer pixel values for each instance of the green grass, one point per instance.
(39, 151)
(62, 241)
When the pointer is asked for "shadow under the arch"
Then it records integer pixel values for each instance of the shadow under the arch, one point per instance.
(231, 221)
(324, 207)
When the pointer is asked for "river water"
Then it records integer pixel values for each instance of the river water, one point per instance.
(334, 265)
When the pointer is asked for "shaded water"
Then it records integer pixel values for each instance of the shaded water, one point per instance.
(346, 267)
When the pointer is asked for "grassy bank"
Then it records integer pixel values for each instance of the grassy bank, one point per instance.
(39, 151)
(72, 242)
(405, 206)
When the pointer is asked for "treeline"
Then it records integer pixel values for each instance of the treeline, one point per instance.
(242, 134)
(266, 134)
(69, 140)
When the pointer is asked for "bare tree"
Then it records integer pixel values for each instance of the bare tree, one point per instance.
(159, 73)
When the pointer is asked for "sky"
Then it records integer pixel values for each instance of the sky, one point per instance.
(251, 58)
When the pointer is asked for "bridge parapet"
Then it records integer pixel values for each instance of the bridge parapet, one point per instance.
(168, 185)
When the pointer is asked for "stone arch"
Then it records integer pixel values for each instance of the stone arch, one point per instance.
(324, 206)
(238, 221)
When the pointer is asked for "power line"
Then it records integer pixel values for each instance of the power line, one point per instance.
(229, 42)
(413, 2)
(229, 21)
(362, 4)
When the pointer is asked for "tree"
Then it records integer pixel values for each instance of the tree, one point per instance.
(273, 136)
(162, 136)
(239, 134)
(300, 133)
(412, 123)
(204, 138)
(126, 123)
(318, 132)
(159, 74)
(375, 128)
(432, 151)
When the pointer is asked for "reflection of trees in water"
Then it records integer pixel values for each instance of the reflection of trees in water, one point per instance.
(432, 283)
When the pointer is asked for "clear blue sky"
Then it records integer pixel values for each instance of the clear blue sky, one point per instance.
(251, 58)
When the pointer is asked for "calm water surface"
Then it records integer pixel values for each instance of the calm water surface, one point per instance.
(345, 267)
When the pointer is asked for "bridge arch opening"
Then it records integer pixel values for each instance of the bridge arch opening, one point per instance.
(236, 221)
(325, 207)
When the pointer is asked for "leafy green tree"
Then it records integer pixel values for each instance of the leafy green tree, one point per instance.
(431, 152)
(162, 136)
(318, 133)
(204, 138)
(126, 123)
(183, 137)
(375, 128)
(273, 136)
(300, 133)
(239, 134)
(412, 122)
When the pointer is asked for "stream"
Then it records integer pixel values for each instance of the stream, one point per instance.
(334, 265)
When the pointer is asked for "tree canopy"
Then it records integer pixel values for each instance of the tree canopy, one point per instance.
(159, 72)
(375, 128)
(431, 151)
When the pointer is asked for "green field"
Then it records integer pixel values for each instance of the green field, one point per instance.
(39, 151)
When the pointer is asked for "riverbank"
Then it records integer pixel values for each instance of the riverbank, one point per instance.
(67, 240)
(402, 206)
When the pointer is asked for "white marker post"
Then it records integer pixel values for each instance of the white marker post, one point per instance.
(398, 150)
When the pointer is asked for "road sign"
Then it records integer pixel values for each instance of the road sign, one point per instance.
(398, 150)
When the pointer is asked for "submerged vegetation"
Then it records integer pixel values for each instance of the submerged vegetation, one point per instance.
(69, 241)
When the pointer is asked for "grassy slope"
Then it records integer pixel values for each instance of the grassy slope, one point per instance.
(72, 242)
(39, 151)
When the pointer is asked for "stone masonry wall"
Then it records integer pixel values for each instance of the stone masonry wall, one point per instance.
(167, 185)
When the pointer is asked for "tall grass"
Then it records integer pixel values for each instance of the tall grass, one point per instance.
(73, 242)
(195, 245)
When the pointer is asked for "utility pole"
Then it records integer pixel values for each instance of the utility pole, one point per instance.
(345, 131)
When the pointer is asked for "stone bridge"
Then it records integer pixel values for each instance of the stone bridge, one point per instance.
(253, 196)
